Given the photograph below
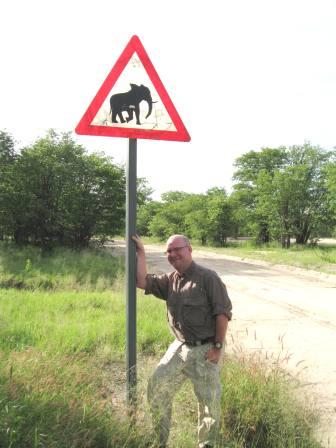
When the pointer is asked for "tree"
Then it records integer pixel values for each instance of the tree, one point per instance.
(302, 185)
(196, 217)
(61, 195)
(175, 215)
(220, 216)
(145, 215)
(287, 197)
(202, 217)
(169, 220)
(248, 168)
(144, 192)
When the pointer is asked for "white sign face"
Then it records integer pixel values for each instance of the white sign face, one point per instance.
(131, 99)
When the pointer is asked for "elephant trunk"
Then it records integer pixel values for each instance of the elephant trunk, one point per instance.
(150, 107)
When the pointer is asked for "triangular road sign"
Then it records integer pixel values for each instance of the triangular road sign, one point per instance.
(132, 102)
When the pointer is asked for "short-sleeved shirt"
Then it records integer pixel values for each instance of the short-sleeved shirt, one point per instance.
(193, 299)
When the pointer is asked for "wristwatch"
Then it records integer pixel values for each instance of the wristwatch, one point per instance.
(218, 345)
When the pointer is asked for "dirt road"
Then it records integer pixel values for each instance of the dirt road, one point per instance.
(280, 311)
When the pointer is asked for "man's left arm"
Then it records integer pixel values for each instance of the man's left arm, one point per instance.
(222, 311)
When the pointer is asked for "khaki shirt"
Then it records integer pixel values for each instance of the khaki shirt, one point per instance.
(194, 299)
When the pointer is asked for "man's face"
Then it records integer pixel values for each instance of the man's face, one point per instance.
(179, 254)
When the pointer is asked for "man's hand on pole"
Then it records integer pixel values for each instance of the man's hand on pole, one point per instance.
(141, 262)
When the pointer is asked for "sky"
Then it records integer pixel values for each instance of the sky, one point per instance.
(242, 75)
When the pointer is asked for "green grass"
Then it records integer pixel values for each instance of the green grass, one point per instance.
(62, 365)
(61, 401)
(78, 322)
(30, 268)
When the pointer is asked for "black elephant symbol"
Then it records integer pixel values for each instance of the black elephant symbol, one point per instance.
(130, 102)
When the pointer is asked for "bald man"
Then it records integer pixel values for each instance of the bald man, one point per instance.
(198, 309)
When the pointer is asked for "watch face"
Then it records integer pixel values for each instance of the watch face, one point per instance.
(218, 345)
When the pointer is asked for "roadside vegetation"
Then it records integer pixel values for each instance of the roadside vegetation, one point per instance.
(54, 193)
(279, 195)
(62, 360)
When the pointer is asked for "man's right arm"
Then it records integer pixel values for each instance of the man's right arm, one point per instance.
(141, 263)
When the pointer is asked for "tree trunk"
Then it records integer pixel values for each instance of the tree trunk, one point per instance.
(305, 231)
(285, 241)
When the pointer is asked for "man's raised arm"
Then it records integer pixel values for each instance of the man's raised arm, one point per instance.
(141, 262)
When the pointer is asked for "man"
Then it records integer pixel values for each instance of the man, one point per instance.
(199, 309)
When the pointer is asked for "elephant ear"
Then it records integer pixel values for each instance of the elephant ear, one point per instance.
(134, 86)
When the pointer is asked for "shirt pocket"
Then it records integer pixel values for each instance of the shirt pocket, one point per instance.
(195, 310)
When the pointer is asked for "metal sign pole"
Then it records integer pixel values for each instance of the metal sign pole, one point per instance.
(131, 200)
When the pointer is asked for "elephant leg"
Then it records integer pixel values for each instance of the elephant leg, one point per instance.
(130, 114)
(114, 117)
(121, 118)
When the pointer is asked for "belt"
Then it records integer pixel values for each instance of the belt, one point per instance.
(200, 342)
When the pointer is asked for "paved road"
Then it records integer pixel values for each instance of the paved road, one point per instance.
(281, 312)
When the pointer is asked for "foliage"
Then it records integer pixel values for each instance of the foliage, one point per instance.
(280, 194)
(145, 214)
(57, 194)
(203, 217)
(220, 213)
(144, 191)
(285, 192)
(53, 193)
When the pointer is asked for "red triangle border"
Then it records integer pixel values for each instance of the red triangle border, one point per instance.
(84, 127)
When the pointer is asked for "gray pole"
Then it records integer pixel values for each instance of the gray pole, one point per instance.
(131, 200)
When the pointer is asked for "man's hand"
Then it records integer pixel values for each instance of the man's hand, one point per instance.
(141, 262)
(213, 355)
(139, 244)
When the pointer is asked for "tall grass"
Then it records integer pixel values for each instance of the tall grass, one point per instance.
(261, 408)
(62, 378)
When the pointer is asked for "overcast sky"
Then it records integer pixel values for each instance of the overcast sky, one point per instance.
(242, 75)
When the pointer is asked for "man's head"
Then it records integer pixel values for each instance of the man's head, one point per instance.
(179, 252)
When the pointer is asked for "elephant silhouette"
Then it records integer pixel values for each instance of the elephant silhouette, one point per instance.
(130, 102)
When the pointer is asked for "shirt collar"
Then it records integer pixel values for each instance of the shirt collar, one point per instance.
(188, 272)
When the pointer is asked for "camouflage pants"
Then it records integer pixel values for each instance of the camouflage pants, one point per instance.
(179, 363)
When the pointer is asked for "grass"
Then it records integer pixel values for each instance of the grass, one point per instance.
(30, 268)
(77, 322)
(260, 406)
(62, 361)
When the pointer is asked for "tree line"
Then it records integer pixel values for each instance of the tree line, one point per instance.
(53, 192)
(278, 194)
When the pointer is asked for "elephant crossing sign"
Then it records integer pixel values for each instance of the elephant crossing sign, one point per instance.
(132, 102)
